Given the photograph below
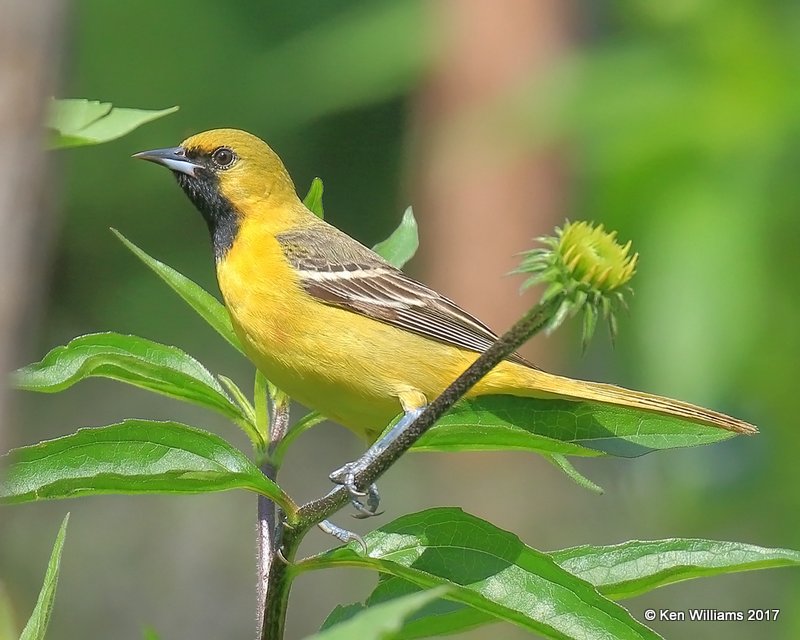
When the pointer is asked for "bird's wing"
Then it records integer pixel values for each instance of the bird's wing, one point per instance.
(339, 271)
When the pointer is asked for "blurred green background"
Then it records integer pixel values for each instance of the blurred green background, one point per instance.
(675, 123)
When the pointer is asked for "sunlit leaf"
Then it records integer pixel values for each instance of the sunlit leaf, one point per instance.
(143, 363)
(76, 122)
(313, 199)
(561, 426)
(490, 570)
(240, 398)
(134, 456)
(618, 571)
(635, 567)
(206, 305)
(402, 244)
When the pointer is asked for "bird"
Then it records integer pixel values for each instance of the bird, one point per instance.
(334, 325)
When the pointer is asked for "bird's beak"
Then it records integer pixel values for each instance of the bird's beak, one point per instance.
(173, 158)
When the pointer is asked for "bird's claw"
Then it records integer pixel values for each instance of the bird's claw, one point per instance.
(282, 524)
(343, 535)
(369, 509)
(346, 476)
(279, 554)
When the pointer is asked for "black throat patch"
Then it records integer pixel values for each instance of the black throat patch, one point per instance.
(218, 212)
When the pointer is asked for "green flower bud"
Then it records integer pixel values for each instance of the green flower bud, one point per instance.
(587, 267)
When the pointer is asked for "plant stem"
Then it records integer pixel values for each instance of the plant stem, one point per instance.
(266, 543)
(272, 585)
(530, 324)
(272, 622)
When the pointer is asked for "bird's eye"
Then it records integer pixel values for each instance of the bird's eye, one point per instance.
(223, 157)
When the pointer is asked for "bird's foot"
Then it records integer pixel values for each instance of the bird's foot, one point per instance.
(343, 535)
(371, 507)
(346, 476)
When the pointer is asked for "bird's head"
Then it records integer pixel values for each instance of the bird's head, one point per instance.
(226, 173)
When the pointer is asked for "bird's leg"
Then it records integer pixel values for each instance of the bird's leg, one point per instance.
(347, 474)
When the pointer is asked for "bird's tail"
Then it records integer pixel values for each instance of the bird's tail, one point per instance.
(535, 383)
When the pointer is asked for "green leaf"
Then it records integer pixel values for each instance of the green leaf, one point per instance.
(499, 423)
(261, 409)
(149, 634)
(439, 617)
(401, 246)
(561, 427)
(132, 457)
(490, 570)
(241, 399)
(618, 571)
(635, 567)
(137, 361)
(381, 621)
(78, 122)
(40, 618)
(206, 305)
(313, 199)
(576, 476)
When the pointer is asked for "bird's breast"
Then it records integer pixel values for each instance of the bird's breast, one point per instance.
(256, 283)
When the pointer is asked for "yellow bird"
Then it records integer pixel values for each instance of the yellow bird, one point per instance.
(333, 324)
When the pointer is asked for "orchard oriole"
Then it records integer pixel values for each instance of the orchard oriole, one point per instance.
(333, 324)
